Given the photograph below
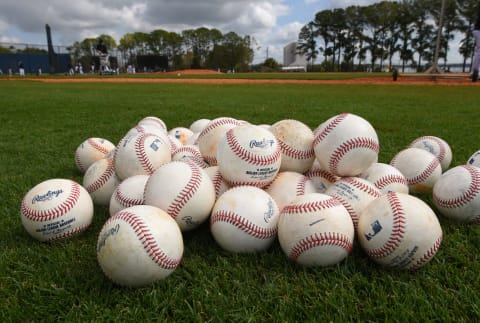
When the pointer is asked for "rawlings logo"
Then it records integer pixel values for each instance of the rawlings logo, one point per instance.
(264, 143)
(110, 232)
(47, 196)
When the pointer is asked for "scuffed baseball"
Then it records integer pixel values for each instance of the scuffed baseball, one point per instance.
(221, 186)
(296, 144)
(386, 178)
(457, 194)
(474, 160)
(321, 178)
(421, 169)
(436, 146)
(139, 245)
(355, 194)
(90, 151)
(346, 145)
(184, 191)
(399, 230)
(128, 193)
(315, 230)
(244, 220)
(140, 154)
(249, 155)
(56, 209)
(288, 185)
(100, 181)
(153, 121)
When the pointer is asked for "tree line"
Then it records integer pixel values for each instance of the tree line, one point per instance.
(192, 48)
(360, 37)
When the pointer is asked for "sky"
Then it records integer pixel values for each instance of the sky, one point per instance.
(272, 23)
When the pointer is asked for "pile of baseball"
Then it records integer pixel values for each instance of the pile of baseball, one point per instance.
(313, 190)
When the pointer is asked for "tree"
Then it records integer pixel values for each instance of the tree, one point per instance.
(306, 44)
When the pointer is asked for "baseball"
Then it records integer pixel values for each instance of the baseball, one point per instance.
(220, 185)
(244, 220)
(140, 154)
(56, 209)
(90, 151)
(128, 193)
(437, 146)
(100, 181)
(210, 136)
(421, 169)
(153, 121)
(249, 155)
(355, 194)
(457, 194)
(198, 125)
(320, 177)
(296, 144)
(184, 191)
(139, 245)
(288, 185)
(399, 230)
(315, 230)
(182, 134)
(346, 145)
(386, 178)
(474, 160)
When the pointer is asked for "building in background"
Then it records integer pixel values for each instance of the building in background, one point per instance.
(292, 60)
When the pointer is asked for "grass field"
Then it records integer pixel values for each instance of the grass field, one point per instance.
(42, 125)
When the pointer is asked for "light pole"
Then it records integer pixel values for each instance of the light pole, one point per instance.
(434, 69)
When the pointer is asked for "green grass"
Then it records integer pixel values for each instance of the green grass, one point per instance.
(42, 125)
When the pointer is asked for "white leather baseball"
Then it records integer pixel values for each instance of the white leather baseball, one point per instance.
(128, 193)
(420, 167)
(90, 151)
(355, 194)
(315, 230)
(399, 230)
(321, 178)
(457, 194)
(386, 178)
(474, 160)
(100, 181)
(437, 146)
(139, 245)
(56, 209)
(220, 185)
(249, 155)
(140, 154)
(296, 144)
(346, 145)
(288, 185)
(184, 191)
(244, 220)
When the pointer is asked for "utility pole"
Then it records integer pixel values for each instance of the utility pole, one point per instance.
(434, 69)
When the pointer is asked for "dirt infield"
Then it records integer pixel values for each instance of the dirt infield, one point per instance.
(185, 77)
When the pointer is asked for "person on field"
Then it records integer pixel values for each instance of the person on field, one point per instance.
(103, 53)
(476, 57)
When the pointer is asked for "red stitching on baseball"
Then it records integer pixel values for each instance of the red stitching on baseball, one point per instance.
(398, 229)
(104, 178)
(259, 184)
(428, 254)
(79, 163)
(329, 128)
(98, 147)
(217, 182)
(291, 152)
(68, 234)
(441, 153)
(323, 174)
(147, 239)
(467, 196)
(126, 201)
(308, 207)
(53, 213)
(423, 176)
(350, 209)
(248, 156)
(188, 151)
(187, 192)
(243, 224)
(142, 153)
(300, 188)
(372, 191)
(218, 123)
(345, 147)
(386, 180)
(320, 240)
